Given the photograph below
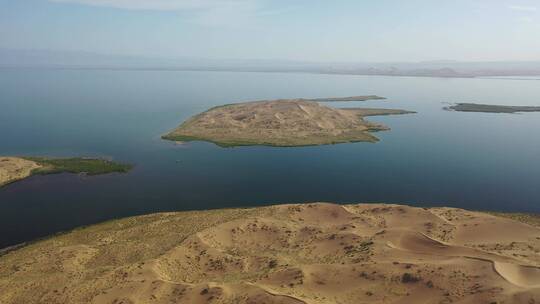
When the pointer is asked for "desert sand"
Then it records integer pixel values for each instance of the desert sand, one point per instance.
(13, 169)
(285, 122)
(305, 253)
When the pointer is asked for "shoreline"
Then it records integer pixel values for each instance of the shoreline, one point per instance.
(529, 218)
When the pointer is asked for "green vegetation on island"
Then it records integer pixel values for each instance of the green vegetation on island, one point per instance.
(89, 166)
(13, 169)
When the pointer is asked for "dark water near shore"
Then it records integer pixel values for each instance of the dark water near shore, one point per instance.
(435, 157)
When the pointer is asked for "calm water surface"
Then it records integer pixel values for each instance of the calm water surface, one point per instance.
(435, 157)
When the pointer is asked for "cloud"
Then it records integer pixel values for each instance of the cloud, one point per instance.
(230, 13)
(526, 19)
(523, 8)
(167, 5)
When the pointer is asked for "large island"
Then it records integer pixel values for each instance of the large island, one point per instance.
(13, 169)
(290, 254)
(284, 122)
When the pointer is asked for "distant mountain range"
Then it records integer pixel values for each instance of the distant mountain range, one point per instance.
(12, 58)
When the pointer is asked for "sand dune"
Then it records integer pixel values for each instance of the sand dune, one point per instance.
(523, 276)
(310, 253)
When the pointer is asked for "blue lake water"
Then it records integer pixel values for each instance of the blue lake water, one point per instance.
(436, 157)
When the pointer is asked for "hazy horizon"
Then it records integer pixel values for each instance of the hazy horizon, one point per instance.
(254, 59)
(306, 31)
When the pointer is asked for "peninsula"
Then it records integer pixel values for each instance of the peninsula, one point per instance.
(13, 169)
(284, 122)
(485, 108)
(315, 253)
(350, 98)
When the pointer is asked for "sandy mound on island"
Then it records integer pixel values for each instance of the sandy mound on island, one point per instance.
(309, 253)
(14, 168)
(286, 122)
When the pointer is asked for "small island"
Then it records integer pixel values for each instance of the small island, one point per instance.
(13, 169)
(350, 98)
(283, 123)
(485, 108)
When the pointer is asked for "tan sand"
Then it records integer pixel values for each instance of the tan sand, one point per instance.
(14, 168)
(309, 253)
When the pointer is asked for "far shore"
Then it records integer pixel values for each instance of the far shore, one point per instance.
(486, 108)
(434, 73)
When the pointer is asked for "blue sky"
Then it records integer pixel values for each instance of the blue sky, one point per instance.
(316, 30)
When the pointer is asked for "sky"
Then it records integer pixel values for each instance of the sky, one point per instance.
(306, 30)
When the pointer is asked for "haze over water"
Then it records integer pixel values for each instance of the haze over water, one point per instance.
(433, 158)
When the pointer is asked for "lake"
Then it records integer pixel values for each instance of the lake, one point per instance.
(434, 158)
